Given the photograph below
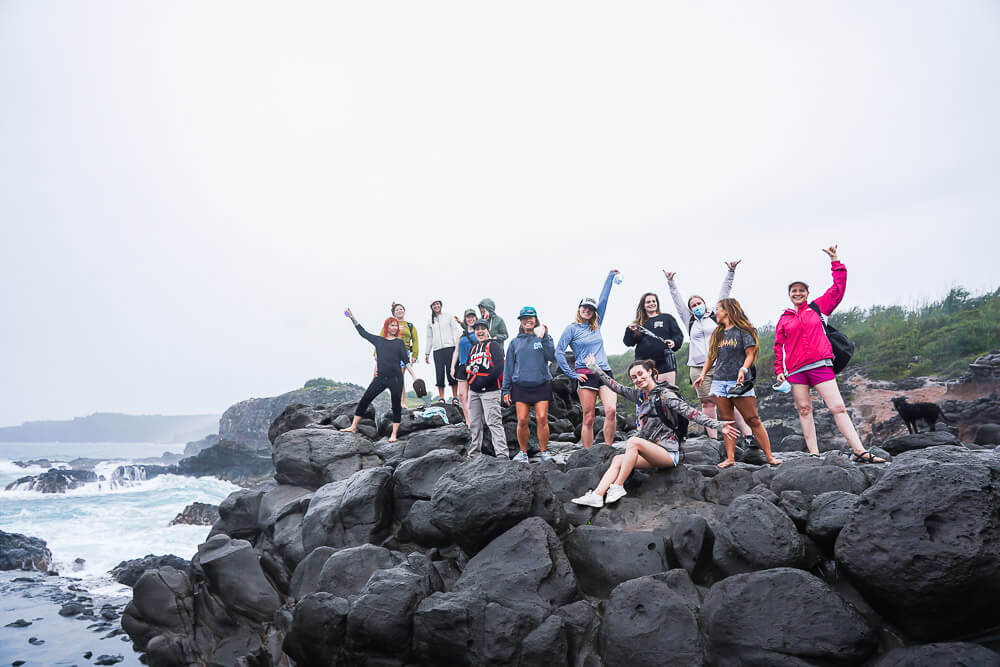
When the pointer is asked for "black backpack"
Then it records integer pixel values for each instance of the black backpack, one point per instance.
(676, 422)
(843, 348)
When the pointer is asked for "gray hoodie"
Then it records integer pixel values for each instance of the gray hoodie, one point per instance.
(498, 328)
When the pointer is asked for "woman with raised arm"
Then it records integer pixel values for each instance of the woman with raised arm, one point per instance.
(656, 445)
(699, 319)
(584, 338)
(460, 357)
(655, 336)
(392, 357)
(803, 356)
(732, 350)
(527, 381)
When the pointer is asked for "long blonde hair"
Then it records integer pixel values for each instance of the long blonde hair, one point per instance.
(593, 323)
(738, 319)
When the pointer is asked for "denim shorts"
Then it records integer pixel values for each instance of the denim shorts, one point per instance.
(721, 388)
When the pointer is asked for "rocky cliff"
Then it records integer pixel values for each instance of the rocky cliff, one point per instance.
(362, 552)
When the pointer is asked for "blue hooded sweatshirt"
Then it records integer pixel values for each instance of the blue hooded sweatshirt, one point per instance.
(583, 341)
(527, 361)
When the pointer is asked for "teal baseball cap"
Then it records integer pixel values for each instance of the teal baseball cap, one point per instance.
(527, 311)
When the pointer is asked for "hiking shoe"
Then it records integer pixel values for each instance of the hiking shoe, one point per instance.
(546, 456)
(521, 457)
(615, 492)
(590, 499)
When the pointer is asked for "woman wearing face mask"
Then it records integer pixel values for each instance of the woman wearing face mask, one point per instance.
(656, 445)
(732, 350)
(392, 357)
(460, 357)
(442, 331)
(700, 321)
(655, 336)
(803, 356)
(584, 338)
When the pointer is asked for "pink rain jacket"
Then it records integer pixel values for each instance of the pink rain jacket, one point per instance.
(799, 338)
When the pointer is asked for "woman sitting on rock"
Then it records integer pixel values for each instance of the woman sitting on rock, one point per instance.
(657, 445)
(731, 353)
(802, 347)
(584, 338)
(391, 357)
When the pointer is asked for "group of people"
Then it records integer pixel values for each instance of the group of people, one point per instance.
(469, 356)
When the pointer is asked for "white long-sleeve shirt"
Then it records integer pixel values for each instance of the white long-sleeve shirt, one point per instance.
(700, 331)
(441, 334)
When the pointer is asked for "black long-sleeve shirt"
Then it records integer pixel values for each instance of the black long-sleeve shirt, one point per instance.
(390, 355)
(647, 347)
(486, 362)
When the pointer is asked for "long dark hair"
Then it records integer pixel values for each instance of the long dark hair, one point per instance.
(737, 318)
(640, 311)
(433, 316)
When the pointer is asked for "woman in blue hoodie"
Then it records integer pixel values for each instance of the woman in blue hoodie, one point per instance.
(527, 380)
(584, 338)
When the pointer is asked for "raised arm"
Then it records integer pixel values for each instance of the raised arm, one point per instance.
(833, 296)
(371, 338)
(679, 302)
(631, 393)
(680, 406)
(727, 281)
(602, 302)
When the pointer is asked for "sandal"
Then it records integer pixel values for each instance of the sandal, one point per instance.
(866, 457)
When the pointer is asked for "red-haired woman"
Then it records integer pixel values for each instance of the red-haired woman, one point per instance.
(392, 357)
(732, 350)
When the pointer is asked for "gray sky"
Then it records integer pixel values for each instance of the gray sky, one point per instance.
(191, 192)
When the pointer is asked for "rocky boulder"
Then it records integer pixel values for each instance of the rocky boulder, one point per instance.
(987, 434)
(813, 476)
(924, 542)
(20, 552)
(753, 534)
(828, 514)
(602, 558)
(197, 514)
(783, 616)
(232, 461)
(300, 416)
(905, 443)
(128, 572)
(414, 479)
(353, 511)
(956, 654)
(312, 457)
(55, 480)
(234, 574)
(453, 437)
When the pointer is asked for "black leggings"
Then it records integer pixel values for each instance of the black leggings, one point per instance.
(379, 384)
(442, 366)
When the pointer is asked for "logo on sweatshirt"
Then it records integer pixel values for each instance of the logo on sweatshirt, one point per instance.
(657, 325)
(537, 346)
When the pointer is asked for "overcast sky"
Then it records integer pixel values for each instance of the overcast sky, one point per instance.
(192, 192)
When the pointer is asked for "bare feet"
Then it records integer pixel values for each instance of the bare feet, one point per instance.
(775, 462)
(727, 463)
(393, 439)
(349, 429)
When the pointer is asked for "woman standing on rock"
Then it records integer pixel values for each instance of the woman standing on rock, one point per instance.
(527, 381)
(460, 357)
(731, 351)
(700, 322)
(391, 356)
(656, 445)
(584, 338)
(442, 331)
(803, 356)
(655, 336)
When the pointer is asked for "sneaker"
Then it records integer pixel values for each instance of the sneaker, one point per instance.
(457, 402)
(590, 499)
(520, 457)
(546, 456)
(615, 492)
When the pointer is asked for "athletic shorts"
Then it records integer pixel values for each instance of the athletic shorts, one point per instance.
(721, 388)
(703, 390)
(521, 394)
(813, 376)
(593, 381)
(460, 373)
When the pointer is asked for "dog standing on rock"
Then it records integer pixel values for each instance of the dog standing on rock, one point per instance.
(911, 412)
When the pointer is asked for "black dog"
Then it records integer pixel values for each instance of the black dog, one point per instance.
(911, 412)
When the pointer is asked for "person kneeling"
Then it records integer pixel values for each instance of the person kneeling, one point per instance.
(658, 406)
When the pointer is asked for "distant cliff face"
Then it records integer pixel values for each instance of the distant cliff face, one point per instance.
(113, 427)
(247, 421)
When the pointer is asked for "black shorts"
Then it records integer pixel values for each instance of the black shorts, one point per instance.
(521, 394)
(593, 382)
(460, 373)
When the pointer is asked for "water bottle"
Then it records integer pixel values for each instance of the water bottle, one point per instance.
(618, 279)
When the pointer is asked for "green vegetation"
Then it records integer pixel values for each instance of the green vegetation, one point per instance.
(326, 383)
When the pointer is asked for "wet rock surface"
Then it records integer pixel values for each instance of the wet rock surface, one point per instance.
(366, 552)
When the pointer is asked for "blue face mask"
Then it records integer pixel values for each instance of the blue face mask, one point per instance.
(699, 311)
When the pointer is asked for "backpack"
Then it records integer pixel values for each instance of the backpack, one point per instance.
(843, 349)
(676, 422)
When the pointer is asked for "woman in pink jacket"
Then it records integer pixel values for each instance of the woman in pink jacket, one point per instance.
(803, 356)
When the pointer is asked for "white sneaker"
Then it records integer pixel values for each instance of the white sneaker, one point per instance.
(615, 492)
(590, 499)
(520, 457)
(545, 456)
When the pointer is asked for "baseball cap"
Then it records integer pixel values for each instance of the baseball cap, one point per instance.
(587, 301)
(527, 311)
(798, 282)
(469, 311)
(481, 323)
